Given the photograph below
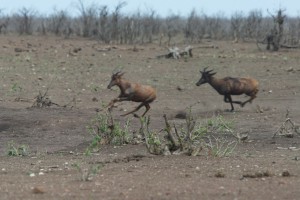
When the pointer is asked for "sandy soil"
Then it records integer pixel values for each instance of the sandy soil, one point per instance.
(76, 73)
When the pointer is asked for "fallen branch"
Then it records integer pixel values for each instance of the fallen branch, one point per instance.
(176, 53)
(289, 46)
(109, 48)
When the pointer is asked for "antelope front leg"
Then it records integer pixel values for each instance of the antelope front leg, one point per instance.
(227, 99)
(111, 104)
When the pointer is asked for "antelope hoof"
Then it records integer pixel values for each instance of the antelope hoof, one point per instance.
(136, 115)
(242, 104)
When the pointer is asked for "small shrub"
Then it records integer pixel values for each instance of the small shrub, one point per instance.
(191, 137)
(99, 130)
(153, 142)
(16, 88)
(105, 131)
(220, 147)
(95, 88)
(219, 125)
(14, 149)
(87, 174)
(121, 134)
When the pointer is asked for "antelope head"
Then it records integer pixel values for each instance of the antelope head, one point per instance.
(205, 76)
(115, 79)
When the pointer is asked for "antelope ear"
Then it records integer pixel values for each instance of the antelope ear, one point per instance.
(212, 74)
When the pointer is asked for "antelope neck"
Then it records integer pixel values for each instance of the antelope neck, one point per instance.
(123, 85)
(214, 82)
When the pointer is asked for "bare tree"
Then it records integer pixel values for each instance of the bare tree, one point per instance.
(24, 20)
(191, 26)
(173, 27)
(236, 25)
(115, 21)
(4, 21)
(150, 26)
(292, 34)
(103, 33)
(126, 30)
(253, 24)
(58, 22)
(275, 35)
(87, 18)
(138, 26)
(278, 29)
(215, 26)
(42, 28)
(109, 26)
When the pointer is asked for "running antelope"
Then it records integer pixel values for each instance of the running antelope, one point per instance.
(230, 86)
(131, 92)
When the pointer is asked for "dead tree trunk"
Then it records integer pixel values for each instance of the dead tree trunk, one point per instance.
(275, 37)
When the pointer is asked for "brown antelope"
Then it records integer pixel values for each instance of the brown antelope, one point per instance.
(230, 86)
(132, 92)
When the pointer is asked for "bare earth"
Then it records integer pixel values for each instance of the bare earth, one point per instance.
(57, 137)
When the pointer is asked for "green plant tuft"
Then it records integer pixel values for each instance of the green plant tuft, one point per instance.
(105, 131)
(87, 174)
(14, 149)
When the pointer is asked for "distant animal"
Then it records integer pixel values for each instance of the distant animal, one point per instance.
(131, 92)
(230, 86)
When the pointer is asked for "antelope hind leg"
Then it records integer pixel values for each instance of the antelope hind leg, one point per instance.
(136, 109)
(111, 104)
(147, 109)
(249, 100)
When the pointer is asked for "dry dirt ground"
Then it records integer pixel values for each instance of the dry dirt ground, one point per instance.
(76, 72)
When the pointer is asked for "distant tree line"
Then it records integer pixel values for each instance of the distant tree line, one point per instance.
(111, 26)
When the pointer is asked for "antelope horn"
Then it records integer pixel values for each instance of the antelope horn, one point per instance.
(116, 71)
(204, 70)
